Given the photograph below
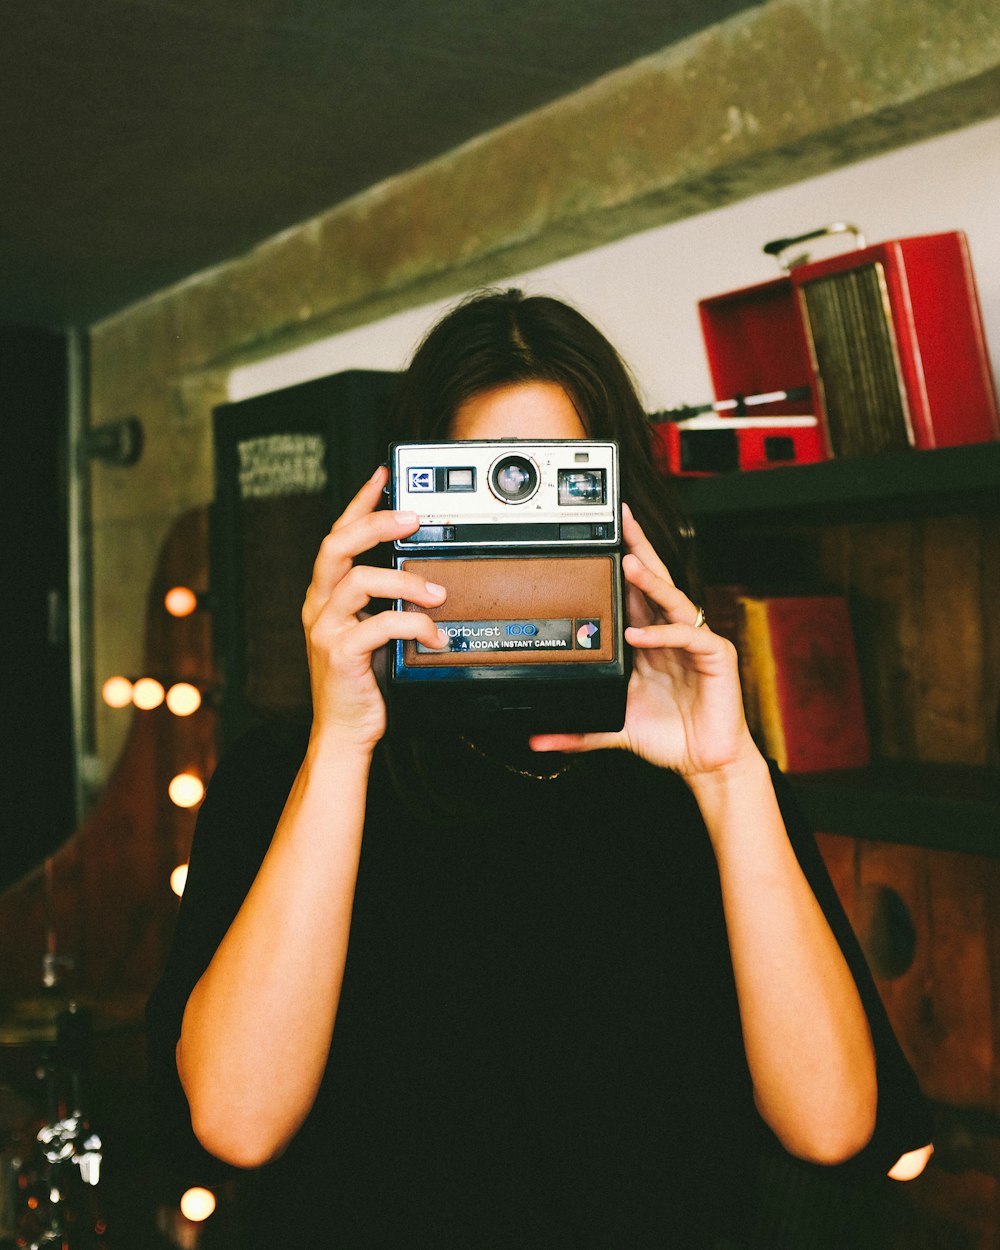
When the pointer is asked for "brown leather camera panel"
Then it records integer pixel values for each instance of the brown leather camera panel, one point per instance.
(490, 588)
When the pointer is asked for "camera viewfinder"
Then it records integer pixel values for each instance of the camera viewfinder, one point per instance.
(460, 479)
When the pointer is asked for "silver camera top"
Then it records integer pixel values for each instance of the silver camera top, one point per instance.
(508, 493)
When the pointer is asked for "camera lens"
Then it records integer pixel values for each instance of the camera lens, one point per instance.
(514, 479)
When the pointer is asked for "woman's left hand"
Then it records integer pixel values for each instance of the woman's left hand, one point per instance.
(685, 706)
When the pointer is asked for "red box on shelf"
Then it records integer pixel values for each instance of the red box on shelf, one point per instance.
(705, 445)
(888, 338)
(756, 344)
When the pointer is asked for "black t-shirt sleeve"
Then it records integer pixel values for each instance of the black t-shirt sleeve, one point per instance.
(903, 1121)
(235, 824)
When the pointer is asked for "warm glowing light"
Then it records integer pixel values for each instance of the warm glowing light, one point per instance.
(197, 1204)
(178, 879)
(909, 1166)
(186, 790)
(117, 692)
(180, 601)
(147, 693)
(183, 698)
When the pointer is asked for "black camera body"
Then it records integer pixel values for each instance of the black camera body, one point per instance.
(525, 536)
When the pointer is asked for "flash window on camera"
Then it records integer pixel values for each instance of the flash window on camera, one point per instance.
(581, 487)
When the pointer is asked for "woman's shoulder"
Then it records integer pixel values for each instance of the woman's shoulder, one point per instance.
(259, 765)
(267, 742)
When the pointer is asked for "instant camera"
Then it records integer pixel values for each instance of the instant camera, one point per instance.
(526, 538)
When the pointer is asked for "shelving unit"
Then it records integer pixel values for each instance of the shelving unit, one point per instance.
(947, 807)
(941, 806)
(894, 484)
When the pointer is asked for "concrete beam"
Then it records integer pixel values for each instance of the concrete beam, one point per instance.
(776, 94)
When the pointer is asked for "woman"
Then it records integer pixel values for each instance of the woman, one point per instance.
(564, 993)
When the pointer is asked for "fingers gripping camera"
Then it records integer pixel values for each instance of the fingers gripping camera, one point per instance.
(526, 538)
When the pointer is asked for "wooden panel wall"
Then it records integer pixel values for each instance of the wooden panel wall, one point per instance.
(106, 893)
(944, 1008)
(925, 600)
(924, 595)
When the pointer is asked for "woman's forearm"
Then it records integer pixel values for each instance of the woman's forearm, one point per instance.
(257, 1026)
(806, 1034)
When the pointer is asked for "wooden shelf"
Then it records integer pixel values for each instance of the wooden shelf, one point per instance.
(947, 807)
(944, 807)
(893, 484)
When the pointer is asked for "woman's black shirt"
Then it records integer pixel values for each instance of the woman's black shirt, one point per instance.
(538, 1040)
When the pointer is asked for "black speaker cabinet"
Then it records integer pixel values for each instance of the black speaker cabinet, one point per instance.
(286, 463)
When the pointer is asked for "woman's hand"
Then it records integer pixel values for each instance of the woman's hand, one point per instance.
(685, 707)
(341, 636)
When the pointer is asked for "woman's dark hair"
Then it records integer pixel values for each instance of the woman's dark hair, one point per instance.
(497, 338)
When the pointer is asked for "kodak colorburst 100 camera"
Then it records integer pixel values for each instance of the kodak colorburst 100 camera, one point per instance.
(525, 536)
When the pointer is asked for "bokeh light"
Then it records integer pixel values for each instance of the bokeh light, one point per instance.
(117, 692)
(186, 790)
(178, 879)
(197, 1204)
(180, 601)
(147, 693)
(910, 1165)
(183, 698)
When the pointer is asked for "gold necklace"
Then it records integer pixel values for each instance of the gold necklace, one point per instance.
(513, 768)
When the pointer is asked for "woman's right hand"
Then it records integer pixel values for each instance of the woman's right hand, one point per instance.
(341, 636)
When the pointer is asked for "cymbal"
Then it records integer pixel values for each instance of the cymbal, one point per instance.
(36, 1019)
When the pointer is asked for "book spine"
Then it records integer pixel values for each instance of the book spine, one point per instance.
(759, 674)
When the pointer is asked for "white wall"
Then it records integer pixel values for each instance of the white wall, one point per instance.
(643, 290)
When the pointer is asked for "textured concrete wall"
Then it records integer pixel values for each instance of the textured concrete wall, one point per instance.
(781, 92)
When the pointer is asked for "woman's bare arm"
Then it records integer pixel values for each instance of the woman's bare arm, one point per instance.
(257, 1026)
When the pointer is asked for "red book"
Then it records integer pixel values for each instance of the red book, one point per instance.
(802, 688)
